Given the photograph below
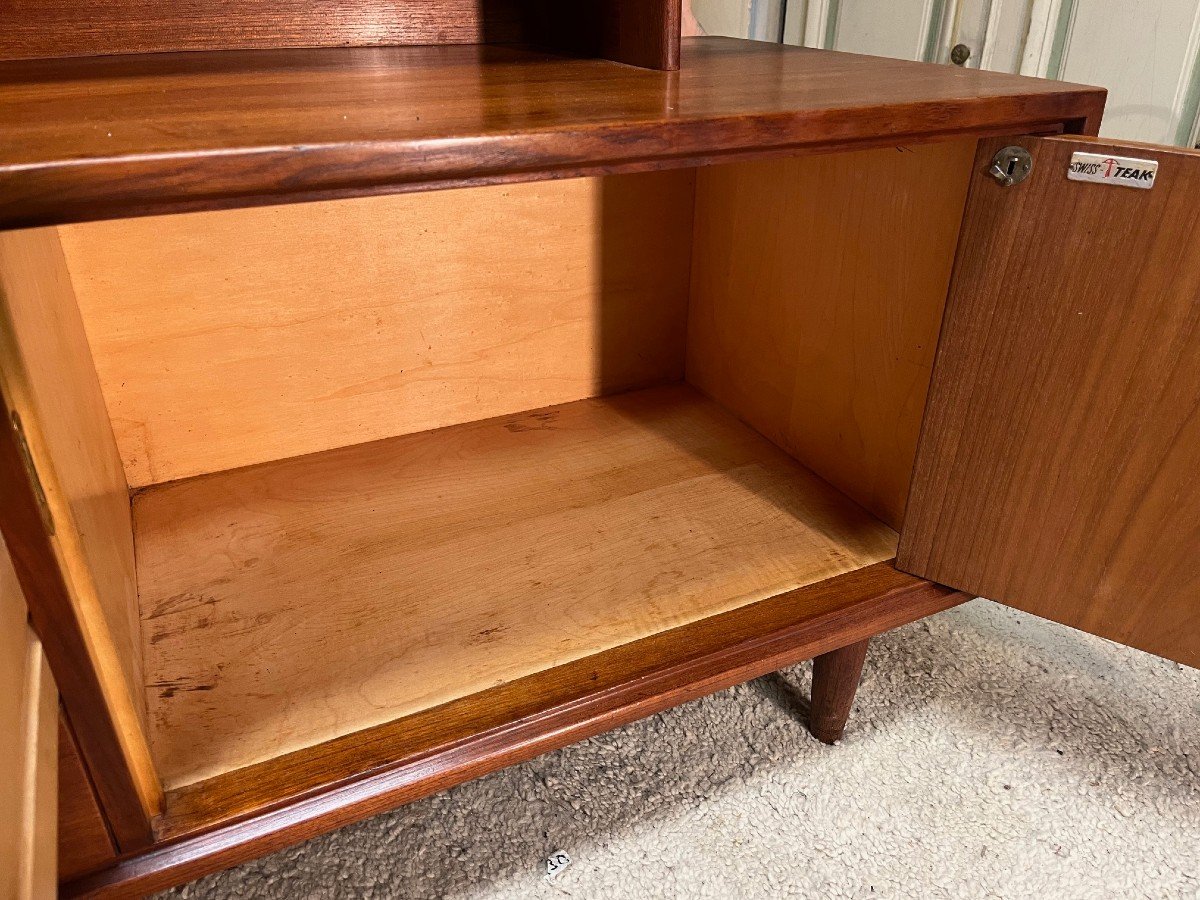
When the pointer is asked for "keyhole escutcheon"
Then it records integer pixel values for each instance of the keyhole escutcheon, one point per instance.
(1011, 165)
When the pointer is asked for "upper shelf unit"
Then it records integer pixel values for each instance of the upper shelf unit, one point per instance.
(637, 32)
(132, 135)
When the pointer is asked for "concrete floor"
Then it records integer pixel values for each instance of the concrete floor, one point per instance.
(990, 754)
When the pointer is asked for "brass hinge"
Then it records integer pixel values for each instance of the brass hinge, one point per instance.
(39, 492)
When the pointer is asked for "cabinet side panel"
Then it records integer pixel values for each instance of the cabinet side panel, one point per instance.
(231, 338)
(84, 843)
(818, 287)
(74, 557)
(28, 704)
(69, 409)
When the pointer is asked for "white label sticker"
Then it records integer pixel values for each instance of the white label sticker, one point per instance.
(555, 863)
(1138, 173)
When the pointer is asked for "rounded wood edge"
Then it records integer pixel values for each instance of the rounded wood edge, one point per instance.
(897, 600)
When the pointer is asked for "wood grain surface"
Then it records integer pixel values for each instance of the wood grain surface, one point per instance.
(291, 603)
(28, 779)
(1058, 466)
(230, 338)
(267, 807)
(73, 553)
(638, 32)
(84, 841)
(818, 285)
(63, 28)
(108, 138)
(835, 680)
(48, 345)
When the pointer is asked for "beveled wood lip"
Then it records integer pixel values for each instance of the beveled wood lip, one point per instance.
(98, 138)
(265, 807)
(811, 619)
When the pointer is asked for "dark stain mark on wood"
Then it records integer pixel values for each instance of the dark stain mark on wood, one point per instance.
(538, 421)
(168, 689)
(188, 601)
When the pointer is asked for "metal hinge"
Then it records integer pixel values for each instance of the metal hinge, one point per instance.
(39, 492)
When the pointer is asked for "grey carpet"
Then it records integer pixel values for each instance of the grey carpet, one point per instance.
(990, 754)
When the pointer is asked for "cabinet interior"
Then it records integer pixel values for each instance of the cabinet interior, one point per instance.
(370, 456)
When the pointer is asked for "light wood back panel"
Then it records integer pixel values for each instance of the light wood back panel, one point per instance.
(817, 294)
(76, 561)
(28, 786)
(229, 338)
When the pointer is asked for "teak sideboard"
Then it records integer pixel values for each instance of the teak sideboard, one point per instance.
(379, 416)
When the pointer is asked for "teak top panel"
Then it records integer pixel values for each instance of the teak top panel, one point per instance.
(122, 136)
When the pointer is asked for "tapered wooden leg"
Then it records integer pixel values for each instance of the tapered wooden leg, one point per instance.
(834, 683)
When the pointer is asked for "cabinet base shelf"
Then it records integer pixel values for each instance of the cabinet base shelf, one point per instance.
(292, 603)
(264, 808)
(332, 635)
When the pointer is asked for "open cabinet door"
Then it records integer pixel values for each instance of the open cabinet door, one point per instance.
(1058, 469)
(28, 752)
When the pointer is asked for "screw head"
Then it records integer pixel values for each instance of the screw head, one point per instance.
(959, 54)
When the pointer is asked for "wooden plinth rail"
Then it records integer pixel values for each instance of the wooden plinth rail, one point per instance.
(263, 808)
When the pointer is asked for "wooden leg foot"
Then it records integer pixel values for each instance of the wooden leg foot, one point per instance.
(834, 683)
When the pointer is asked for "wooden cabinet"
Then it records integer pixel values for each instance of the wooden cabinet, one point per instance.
(572, 390)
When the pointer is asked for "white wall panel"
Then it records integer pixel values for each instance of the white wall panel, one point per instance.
(757, 19)
(1144, 53)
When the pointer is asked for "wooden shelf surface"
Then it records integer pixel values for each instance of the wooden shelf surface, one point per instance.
(266, 807)
(292, 603)
(121, 136)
